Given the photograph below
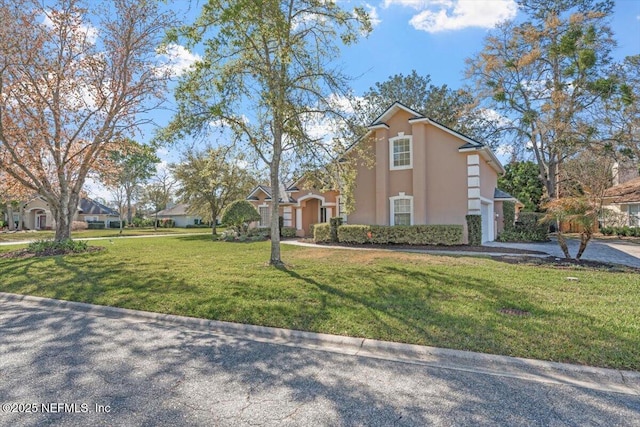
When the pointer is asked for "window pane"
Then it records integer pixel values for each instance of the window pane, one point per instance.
(401, 152)
(402, 219)
(265, 218)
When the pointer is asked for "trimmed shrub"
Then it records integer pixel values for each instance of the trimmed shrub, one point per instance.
(607, 231)
(95, 225)
(51, 247)
(322, 233)
(334, 223)
(239, 214)
(416, 234)
(509, 215)
(288, 232)
(527, 229)
(474, 227)
(115, 224)
(262, 232)
(352, 233)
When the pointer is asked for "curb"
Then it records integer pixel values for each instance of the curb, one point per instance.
(602, 379)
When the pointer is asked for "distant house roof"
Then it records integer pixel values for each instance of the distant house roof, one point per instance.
(91, 207)
(627, 192)
(502, 195)
(179, 209)
(284, 197)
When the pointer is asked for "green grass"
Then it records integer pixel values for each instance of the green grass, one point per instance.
(451, 302)
(108, 232)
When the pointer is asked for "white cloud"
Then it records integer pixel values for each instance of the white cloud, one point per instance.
(445, 15)
(176, 59)
(373, 15)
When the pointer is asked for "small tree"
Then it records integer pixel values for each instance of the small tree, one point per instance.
(581, 210)
(239, 214)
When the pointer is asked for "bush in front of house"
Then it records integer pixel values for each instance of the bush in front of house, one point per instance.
(354, 234)
(527, 229)
(447, 235)
(335, 223)
(322, 233)
(114, 224)
(239, 214)
(288, 232)
(509, 215)
(95, 225)
(474, 228)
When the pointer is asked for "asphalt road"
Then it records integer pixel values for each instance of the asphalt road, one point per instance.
(106, 369)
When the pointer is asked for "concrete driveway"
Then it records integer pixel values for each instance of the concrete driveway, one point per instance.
(611, 251)
(88, 365)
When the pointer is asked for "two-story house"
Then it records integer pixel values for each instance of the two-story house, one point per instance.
(423, 173)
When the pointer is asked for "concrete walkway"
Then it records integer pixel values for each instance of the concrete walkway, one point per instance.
(139, 368)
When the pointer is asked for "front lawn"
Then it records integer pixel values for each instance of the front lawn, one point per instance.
(107, 232)
(455, 302)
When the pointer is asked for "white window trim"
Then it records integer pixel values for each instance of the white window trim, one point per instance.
(392, 200)
(400, 136)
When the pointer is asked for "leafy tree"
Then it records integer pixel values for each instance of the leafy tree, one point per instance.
(73, 79)
(158, 194)
(545, 74)
(210, 180)
(131, 167)
(239, 214)
(522, 181)
(267, 71)
(456, 109)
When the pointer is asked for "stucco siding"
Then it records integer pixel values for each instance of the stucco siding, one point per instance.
(446, 178)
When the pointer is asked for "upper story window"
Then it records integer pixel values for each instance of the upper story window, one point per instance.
(401, 152)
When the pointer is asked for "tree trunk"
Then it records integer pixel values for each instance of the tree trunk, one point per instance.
(10, 222)
(21, 217)
(563, 244)
(584, 240)
(64, 210)
(274, 169)
(129, 216)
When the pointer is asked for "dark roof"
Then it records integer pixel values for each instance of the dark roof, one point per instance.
(499, 194)
(627, 192)
(91, 207)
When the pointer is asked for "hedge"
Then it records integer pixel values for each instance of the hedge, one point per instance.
(288, 232)
(509, 215)
(98, 225)
(527, 229)
(401, 234)
(474, 227)
(322, 233)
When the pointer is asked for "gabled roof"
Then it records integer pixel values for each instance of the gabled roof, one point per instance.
(91, 207)
(267, 190)
(627, 192)
(179, 209)
(503, 196)
(469, 143)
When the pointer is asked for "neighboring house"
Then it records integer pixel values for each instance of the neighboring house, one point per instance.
(424, 173)
(623, 201)
(38, 216)
(178, 213)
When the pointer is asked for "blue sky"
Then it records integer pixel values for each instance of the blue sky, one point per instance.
(402, 41)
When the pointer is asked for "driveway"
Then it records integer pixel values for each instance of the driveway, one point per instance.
(611, 251)
(88, 365)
